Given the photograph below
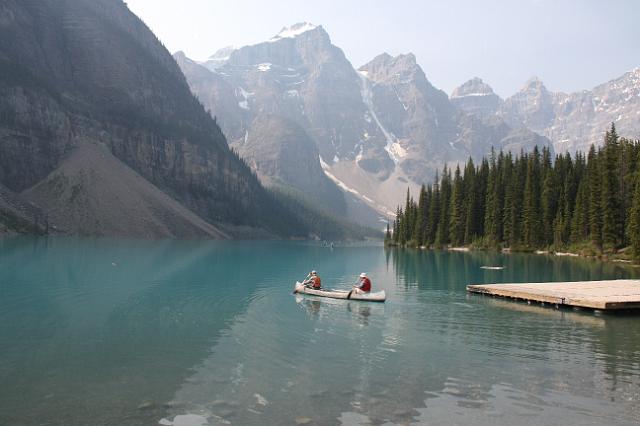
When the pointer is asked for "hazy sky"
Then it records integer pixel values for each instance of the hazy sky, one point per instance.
(570, 44)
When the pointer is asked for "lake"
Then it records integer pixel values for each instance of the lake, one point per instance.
(105, 332)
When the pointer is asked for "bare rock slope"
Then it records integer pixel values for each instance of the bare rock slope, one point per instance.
(93, 193)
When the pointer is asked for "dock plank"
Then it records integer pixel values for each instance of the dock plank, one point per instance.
(604, 295)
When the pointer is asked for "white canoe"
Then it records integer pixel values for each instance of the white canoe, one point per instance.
(378, 296)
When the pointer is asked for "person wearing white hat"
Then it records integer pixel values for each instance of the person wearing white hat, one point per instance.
(364, 284)
(314, 281)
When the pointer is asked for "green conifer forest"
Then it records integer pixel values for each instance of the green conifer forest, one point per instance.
(531, 201)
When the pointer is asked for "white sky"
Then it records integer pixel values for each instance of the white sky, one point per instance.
(570, 44)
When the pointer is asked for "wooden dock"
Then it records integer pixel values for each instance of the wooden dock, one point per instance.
(602, 295)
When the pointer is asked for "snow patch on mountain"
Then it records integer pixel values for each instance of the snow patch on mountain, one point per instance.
(293, 31)
(342, 185)
(244, 103)
(265, 66)
(398, 150)
(470, 94)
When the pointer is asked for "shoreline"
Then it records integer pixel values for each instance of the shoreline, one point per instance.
(508, 250)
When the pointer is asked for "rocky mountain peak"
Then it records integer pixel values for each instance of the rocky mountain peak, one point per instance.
(477, 98)
(180, 55)
(223, 53)
(219, 58)
(534, 84)
(296, 30)
(532, 106)
(302, 44)
(630, 79)
(473, 87)
(385, 67)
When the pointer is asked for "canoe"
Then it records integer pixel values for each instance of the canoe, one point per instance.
(378, 296)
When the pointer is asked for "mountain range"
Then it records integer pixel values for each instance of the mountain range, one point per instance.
(573, 122)
(374, 131)
(103, 133)
(384, 127)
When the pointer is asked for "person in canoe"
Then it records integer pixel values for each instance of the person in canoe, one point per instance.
(364, 284)
(313, 281)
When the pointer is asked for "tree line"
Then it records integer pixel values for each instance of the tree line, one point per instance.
(587, 203)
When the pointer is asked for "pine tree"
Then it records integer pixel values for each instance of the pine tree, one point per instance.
(456, 218)
(593, 184)
(531, 219)
(396, 226)
(633, 230)
(549, 199)
(442, 236)
(434, 213)
(580, 221)
(418, 231)
(492, 217)
(402, 236)
(612, 222)
(508, 209)
(470, 202)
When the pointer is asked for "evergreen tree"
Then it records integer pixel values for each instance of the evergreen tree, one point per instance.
(419, 232)
(456, 218)
(549, 199)
(434, 213)
(509, 209)
(612, 222)
(634, 222)
(532, 224)
(580, 221)
(595, 201)
(470, 202)
(442, 236)
(493, 203)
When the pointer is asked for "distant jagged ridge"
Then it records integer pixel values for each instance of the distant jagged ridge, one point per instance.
(573, 122)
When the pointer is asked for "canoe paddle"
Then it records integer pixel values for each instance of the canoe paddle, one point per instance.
(352, 290)
(305, 278)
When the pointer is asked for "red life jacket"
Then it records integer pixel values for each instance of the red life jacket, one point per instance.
(316, 282)
(365, 284)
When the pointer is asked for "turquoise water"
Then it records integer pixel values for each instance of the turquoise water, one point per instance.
(100, 332)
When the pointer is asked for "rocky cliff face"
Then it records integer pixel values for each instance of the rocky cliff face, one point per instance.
(288, 105)
(88, 74)
(377, 130)
(425, 129)
(418, 121)
(283, 154)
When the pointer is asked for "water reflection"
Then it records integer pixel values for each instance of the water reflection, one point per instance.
(318, 307)
(426, 268)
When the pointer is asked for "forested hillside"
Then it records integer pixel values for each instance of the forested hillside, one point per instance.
(588, 203)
